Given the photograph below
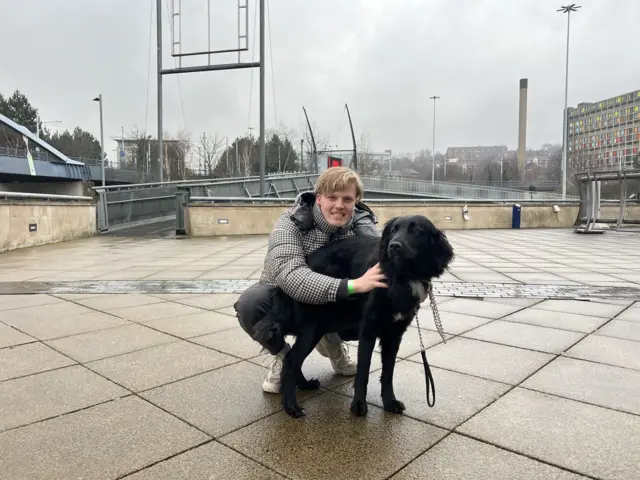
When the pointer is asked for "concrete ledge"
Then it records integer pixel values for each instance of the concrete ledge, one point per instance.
(27, 222)
(207, 219)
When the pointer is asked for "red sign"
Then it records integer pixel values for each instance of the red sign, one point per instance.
(334, 162)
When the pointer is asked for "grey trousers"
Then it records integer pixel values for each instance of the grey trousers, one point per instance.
(254, 304)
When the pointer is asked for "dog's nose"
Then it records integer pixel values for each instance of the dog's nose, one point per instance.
(395, 246)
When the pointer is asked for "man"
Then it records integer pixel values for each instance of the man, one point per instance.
(332, 213)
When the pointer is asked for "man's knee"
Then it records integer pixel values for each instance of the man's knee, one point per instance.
(253, 305)
(254, 310)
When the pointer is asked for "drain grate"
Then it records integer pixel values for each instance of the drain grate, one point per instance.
(453, 289)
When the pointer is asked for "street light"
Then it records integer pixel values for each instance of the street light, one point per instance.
(565, 130)
(433, 150)
(99, 100)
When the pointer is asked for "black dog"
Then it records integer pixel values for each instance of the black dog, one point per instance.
(411, 252)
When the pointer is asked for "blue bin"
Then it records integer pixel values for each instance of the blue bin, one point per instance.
(515, 216)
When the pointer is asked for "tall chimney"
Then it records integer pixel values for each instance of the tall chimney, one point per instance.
(522, 127)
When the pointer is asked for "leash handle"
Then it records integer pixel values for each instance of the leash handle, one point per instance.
(428, 377)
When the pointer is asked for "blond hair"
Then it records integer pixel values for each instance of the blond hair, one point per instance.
(336, 179)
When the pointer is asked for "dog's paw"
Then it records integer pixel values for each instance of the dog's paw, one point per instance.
(295, 411)
(312, 384)
(394, 406)
(359, 408)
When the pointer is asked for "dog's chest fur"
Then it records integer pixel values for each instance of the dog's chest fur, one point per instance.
(406, 299)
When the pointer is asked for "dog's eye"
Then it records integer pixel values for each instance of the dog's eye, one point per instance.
(415, 230)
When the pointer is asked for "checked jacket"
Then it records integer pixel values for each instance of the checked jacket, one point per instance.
(300, 231)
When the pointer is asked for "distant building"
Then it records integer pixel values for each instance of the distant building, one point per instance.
(604, 134)
(476, 155)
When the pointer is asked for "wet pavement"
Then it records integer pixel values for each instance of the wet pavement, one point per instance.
(120, 356)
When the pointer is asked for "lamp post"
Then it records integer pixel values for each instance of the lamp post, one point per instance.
(565, 128)
(433, 150)
(99, 100)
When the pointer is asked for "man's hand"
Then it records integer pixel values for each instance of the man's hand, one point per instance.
(371, 279)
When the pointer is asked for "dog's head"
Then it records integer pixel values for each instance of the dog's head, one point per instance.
(412, 246)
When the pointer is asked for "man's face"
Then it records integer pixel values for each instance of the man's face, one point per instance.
(337, 207)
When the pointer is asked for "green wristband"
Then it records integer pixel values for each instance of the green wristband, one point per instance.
(350, 288)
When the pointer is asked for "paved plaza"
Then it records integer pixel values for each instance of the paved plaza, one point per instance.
(121, 357)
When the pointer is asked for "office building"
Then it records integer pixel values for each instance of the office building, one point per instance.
(604, 135)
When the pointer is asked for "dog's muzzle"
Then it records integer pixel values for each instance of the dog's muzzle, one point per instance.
(395, 248)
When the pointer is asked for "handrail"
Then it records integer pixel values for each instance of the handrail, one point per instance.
(48, 196)
(200, 182)
(388, 200)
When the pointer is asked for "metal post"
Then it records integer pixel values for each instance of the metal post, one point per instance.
(433, 150)
(565, 128)
(159, 48)
(99, 100)
(262, 67)
(301, 157)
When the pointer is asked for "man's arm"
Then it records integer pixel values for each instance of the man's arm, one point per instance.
(287, 263)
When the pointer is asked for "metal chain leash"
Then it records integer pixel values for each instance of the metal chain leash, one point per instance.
(436, 317)
(436, 313)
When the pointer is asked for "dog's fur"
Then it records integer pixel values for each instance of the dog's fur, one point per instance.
(411, 252)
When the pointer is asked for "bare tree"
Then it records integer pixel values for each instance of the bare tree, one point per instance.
(246, 149)
(209, 147)
(290, 138)
(176, 152)
(365, 163)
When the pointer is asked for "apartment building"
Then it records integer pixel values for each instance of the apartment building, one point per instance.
(604, 135)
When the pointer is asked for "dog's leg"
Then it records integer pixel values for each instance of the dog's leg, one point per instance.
(389, 345)
(366, 344)
(292, 369)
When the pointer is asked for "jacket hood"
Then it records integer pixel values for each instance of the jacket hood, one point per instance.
(306, 214)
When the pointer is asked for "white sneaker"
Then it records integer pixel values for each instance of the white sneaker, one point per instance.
(273, 378)
(337, 351)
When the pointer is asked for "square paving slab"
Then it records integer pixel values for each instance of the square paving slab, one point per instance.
(373, 447)
(104, 441)
(486, 360)
(590, 382)
(462, 458)
(458, 396)
(210, 461)
(48, 394)
(155, 366)
(593, 440)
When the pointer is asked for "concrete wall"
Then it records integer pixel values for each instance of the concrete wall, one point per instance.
(206, 220)
(77, 188)
(56, 221)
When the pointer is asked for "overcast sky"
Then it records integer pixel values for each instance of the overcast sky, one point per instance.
(384, 58)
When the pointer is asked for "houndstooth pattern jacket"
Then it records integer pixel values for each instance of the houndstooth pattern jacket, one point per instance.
(297, 233)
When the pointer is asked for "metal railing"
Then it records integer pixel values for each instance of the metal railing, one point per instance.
(453, 190)
(125, 204)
